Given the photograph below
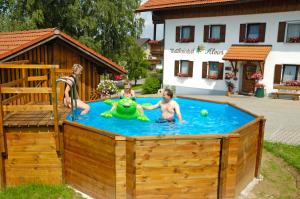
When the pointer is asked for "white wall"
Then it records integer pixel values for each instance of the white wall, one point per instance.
(282, 53)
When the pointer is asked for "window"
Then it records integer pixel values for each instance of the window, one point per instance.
(252, 33)
(183, 68)
(212, 70)
(185, 34)
(291, 72)
(214, 33)
(293, 33)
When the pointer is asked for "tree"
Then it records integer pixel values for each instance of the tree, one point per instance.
(135, 62)
(107, 26)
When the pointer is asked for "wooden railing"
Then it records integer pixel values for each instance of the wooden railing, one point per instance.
(14, 95)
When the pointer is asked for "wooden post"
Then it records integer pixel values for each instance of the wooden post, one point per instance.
(154, 32)
(120, 162)
(55, 110)
(25, 84)
(223, 167)
(2, 145)
(260, 146)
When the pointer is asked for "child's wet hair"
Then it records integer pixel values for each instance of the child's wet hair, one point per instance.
(75, 67)
(169, 92)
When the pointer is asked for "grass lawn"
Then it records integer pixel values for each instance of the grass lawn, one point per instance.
(38, 191)
(289, 153)
(137, 87)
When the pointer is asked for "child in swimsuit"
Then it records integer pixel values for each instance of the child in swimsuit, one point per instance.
(168, 108)
(72, 79)
(127, 92)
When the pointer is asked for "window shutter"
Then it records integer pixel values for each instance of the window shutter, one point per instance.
(223, 33)
(262, 32)
(242, 32)
(191, 66)
(178, 34)
(176, 69)
(192, 33)
(220, 70)
(206, 33)
(204, 70)
(277, 74)
(281, 32)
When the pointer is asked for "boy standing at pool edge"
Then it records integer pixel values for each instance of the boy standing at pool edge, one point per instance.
(168, 108)
(72, 79)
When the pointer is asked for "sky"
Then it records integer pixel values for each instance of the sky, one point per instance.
(148, 26)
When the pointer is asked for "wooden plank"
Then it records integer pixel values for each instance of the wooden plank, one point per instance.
(55, 110)
(38, 78)
(222, 185)
(28, 66)
(27, 108)
(13, 83)
(13, 98)
(283, 87)
(25, 90)
(18, 62)
(260, 146)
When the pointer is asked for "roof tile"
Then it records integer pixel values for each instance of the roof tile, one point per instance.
(247, 53)
(13, 42)
(160, 4)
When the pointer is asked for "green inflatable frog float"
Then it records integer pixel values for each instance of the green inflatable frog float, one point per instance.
(126, 109)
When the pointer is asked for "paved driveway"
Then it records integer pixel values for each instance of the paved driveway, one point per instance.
(283, 115)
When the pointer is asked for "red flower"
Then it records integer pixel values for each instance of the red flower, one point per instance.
(185, 40)
(257, 76)
(294, 40)
(251, 40)
(214, 40)
(118, 77)
(292, 83)
(214, 76)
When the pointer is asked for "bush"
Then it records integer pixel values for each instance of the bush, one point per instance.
(158, 76)
(151, 85)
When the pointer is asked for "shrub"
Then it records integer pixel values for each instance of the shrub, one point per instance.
(158, 76)
(151, 85)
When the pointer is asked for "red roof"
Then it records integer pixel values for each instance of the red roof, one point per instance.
(13, 42)
(163, 4)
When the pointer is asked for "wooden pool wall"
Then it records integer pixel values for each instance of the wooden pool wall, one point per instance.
(109, 166)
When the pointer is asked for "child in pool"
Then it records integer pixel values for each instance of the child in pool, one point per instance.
(127, 92)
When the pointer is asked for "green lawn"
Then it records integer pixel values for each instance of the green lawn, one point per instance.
(38, 191)
(290, 153)
(137, 87)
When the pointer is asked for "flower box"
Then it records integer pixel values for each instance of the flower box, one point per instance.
(294, 40)
(214, 40)
(251, 40)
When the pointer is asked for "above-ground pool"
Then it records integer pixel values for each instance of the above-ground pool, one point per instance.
(206, 157)
(222, 118)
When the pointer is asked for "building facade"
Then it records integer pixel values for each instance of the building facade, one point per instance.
(205, 45)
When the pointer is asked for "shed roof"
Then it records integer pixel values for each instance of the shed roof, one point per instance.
(12, 43)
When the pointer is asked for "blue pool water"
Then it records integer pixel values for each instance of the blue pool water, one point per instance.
(222, 119)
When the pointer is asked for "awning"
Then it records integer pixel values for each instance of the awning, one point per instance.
(247, 53)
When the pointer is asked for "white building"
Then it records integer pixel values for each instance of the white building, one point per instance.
(205, 40)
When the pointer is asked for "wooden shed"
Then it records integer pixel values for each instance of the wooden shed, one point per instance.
(51, 46)
(31, 148)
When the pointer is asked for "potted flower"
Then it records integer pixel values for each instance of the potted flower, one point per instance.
(230, 88)
(259, 87)
(107, 88)
(292, 83)
(260, 92)
(251, 40)
(213, 76)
